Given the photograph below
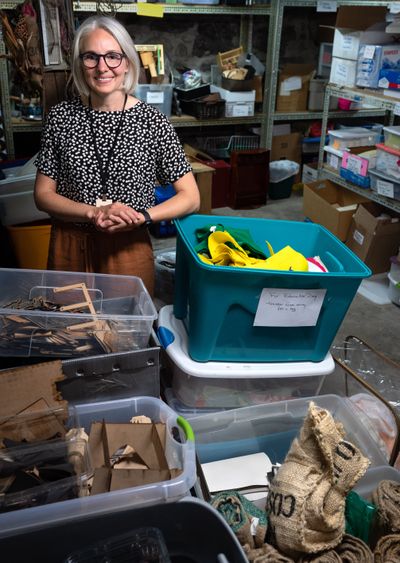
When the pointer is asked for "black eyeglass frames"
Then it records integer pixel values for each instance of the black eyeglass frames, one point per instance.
(112, 59)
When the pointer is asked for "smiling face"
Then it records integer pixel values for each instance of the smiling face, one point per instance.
(105, 83)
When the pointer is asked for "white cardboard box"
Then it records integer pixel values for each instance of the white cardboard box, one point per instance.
(346, 44)
(229, 96)
(343, 72)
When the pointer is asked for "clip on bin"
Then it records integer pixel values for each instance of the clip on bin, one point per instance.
(179, 452)
(219, 303)
(233, 384)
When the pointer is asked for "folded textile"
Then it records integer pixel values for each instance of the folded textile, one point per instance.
(242, 237)
(265, 554)
(247, 522)
(387, 549)
(326, 557)
(387, 499)
(306, 501)
(354, 550)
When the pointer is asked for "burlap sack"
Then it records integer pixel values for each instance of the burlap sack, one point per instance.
(354, 550)
(265, 554)
(242, 516)
(306, 501)
(387, 499)
(326, 557)
(387, 549)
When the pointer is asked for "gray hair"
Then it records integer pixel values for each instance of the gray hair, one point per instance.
(120, 34)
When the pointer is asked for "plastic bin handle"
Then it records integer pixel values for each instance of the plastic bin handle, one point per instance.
(165, 336)
(183, 423)
(336, 261)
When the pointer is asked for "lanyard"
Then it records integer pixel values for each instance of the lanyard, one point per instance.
(105, 171)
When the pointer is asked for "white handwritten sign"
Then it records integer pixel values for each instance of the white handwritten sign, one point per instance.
(327, 6)
(289, 307)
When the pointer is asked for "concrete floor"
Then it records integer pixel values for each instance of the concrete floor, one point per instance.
(377, 325)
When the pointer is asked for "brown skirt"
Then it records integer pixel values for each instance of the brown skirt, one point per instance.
(83, 249)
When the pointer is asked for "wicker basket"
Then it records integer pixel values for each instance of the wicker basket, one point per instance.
(203, 109)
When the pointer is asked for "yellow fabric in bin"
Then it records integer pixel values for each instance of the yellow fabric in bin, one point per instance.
(225, 251)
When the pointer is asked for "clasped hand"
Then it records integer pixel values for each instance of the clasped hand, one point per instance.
(115, 217)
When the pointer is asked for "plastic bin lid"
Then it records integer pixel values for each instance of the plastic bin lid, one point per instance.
(388, 149)
(174, 338)
(350, 133)
(331, 150)
(395, 129)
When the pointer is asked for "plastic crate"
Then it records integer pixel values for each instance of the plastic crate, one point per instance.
(164, 228)
(157, 95)
(221, 147)
(179, 524)
(180, 453)
(354, 178)
(221, 385)
(223, 301)
(124, 314)
(271, 428)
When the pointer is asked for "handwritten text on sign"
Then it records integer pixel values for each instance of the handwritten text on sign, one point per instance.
(289, 307)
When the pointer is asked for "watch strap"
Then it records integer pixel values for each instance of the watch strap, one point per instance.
(147, 219)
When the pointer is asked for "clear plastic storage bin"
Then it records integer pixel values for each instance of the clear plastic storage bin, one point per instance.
(219, 303)
(388, 161)
(179, 452)
(385, 185)
(352, 137)
(220, 385)
(271, 428)
(32, 322)
(157, 95)
(392, 136)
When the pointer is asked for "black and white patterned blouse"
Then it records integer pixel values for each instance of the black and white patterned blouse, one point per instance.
(147, 152)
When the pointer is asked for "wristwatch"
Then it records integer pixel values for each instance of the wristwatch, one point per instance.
(147, 219)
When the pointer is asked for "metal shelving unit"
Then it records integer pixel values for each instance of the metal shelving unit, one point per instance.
(381, 102)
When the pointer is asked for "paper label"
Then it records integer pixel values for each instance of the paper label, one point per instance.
(385, 188)
(155, 97)
(150, 10)
(240, 110)
(334, 161)
(326, 6)
(369, 51)
(354, 164)
(291, 83)
(358, 237)
(289, 307)
(396, 109)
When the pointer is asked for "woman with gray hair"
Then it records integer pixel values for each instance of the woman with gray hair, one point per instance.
(102, 154)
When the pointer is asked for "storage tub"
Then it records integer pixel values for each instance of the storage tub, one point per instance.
(16, 197)
(230, 385)
(333, 157)
(180, 453)
(388, 161)
(157, 95)
(354, 178)
(271, 428)
(392, 136)
(123, 319)
(351, 137)
(223, 300)
(394, 289)
(180, 524)
(385, 185)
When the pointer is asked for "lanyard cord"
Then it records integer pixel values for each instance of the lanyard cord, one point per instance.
(104, 171)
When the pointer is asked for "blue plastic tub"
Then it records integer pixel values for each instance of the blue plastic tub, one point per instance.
(223, 300)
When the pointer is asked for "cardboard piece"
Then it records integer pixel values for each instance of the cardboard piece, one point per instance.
(140, 447)
(204, 178)
(330, 205)
(350, 18)
(286, 147)
(372, 239)
(220, 179)
(293, 87)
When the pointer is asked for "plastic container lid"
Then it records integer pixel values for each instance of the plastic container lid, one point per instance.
(390, 150)
(331, 150)
(394, 129)
(174, 338)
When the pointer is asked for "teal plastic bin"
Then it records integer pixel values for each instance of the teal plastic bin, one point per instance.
(223, 300)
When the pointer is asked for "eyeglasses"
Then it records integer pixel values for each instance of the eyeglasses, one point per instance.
(112, 59)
